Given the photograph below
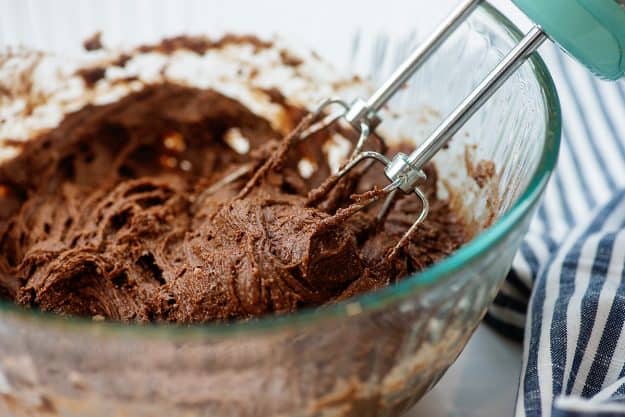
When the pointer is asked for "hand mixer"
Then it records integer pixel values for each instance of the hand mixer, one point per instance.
(593, 31)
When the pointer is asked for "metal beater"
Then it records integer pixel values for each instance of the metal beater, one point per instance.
(593, 31)
(405, 171)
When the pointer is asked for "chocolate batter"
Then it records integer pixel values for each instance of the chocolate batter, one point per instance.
(125, 211)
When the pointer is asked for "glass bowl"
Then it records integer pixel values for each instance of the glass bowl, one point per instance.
(372, 355)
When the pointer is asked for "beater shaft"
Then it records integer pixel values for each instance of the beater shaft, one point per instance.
(361, 111)
(410, 167)
(450, 126)
(423, 52)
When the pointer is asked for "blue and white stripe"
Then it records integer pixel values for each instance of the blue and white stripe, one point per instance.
(573, 261)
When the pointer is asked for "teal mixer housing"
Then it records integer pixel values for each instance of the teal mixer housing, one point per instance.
(592, 31)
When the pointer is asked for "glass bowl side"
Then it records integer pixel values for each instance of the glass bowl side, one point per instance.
(372, 355)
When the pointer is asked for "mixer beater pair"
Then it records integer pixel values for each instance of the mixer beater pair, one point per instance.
(405, 172)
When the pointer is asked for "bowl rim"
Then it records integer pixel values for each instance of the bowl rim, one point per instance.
(406, 288)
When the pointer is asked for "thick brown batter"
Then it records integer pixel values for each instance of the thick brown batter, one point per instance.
(119, 212)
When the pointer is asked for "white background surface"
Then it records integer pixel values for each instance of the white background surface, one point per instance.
(482, 382)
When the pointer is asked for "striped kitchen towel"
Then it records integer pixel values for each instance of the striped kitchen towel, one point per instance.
(565, 296)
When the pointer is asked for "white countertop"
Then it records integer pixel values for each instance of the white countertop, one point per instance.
(481, 383)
